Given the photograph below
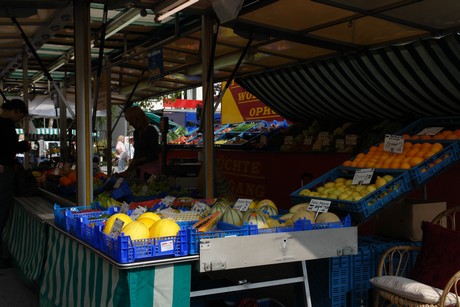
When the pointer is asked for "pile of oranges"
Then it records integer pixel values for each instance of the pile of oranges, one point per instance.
(443, 135)
(412, 155)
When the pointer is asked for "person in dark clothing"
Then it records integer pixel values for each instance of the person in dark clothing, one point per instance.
(12, 111)
(146, 145)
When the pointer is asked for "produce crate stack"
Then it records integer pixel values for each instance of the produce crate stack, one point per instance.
(349, 276)
(430, 146)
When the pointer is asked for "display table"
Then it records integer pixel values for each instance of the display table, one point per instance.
(71, 273)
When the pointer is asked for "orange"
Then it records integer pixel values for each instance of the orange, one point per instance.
(415, 137)
(436, 147)
(370, 164)
(65, 181)
(421, 153)
(354, 164)
(416, 145)
(415, 161)
(428, 154)
(394, 164)
(347, 163)
(457, 132)
(425, 145)
(452, 136)
(425, 137)
(406, 136)
(404, 165)
(361, 163)
(373, 148)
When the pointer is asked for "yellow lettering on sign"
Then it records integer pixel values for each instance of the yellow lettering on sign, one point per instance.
(248, 189)
(241, 167)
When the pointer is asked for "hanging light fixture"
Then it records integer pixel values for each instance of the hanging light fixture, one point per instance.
(168, 8)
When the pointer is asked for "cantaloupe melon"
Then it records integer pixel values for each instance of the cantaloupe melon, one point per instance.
(266, 202)
(233, 217)
(256, 217)
(269, 210)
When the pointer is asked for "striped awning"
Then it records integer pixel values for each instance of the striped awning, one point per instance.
(417, 79)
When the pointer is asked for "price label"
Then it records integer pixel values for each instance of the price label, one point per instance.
(363, 176)
(242, 204)
(351, 139)
(124, 207)
(340, 144)
(137, 212)
(393, 143)
(116, 228)
(198, 207)
(430, 131)
(118, 183)
(168, 200)
(318, 205)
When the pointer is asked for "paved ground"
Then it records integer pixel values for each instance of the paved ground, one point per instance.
(14, 292)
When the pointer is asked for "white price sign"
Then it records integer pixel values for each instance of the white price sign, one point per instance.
(430, 131)
(198, 207)
(168, 200)
(242, 204)
(116, 228)
(318, 205)
(363, 176)
(137, 212)
(393, 143)
(124, 207)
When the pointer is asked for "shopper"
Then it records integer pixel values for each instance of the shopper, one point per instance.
(12, 111)
(146, 146)
(121, 154)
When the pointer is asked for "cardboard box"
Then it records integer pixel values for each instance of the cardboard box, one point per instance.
(403, 220)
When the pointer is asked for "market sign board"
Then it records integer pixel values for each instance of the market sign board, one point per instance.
(238, 105)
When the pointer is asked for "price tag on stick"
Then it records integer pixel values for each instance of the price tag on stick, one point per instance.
(242, 204)
(116, 228)
(198, 207)
(318, 205)
(363, 176)
(393, 143)
(137, 212)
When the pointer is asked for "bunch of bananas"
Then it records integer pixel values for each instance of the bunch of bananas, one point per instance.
(106, 201)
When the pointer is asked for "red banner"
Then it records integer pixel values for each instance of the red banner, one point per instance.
(181, 103)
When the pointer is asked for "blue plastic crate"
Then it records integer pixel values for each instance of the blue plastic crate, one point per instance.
(435, 164)
(65, 217)
(122, 192)
(124, 250)
(222, 230)
(450, 122)
(361, 273)
(339, 280)
(367, 206)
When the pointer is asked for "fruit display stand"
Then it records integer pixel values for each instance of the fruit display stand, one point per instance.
(64, 264)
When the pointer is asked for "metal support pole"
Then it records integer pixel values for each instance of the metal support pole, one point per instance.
(25, 90)
(108, 150)
(65, 148)
(83, 102)
(208, 95)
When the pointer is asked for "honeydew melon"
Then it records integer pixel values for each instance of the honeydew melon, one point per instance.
(327, 217)
(299, 207)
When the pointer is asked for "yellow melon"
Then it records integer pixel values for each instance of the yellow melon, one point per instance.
(150, 215)
(164, 228)
(136, 230)
(146, 221)
(122, 216)
(327, 217)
